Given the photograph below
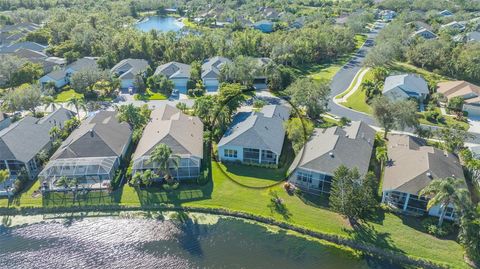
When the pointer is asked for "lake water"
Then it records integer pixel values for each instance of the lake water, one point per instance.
(203, 241)
(160, 23)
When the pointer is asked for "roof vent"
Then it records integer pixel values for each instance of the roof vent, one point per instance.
(91, 132)
(331, 154)
(429, 175)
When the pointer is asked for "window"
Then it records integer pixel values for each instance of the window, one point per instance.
(251, 155)
(304, 177)
(230, 153)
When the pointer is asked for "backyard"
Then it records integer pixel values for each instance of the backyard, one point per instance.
(149, 96)
(67, 95)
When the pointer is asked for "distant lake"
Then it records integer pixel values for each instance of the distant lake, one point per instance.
(153, 241)
(160, 23)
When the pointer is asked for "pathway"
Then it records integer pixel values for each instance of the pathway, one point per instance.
(355, 87)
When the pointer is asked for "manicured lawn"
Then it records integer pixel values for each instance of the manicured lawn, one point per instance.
(449, 120)
(352, 85)
(149, 95)
(65, 96)
(356, 101)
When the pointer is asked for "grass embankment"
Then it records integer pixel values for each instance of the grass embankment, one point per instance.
(356, 101)
(66, 96)
(352, 84)
(399, 233)
(149, 96)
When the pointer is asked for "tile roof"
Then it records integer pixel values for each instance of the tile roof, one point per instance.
(174, 70)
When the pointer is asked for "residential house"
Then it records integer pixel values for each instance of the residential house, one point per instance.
(90, 155)
(38, 57)
(181, 132)
(12, 33)
(255, 137)
(326, 150)
(402, 87)
(453, 26)
(178, 73)
(411, 168)
(5, 121)
(211, 72)
(260, 79)
(22, 141)
(269, 13)
(468, 91)
(473, 37)
(62, 77)
(445, 13)
(387, 15)
(23, 45)
(128, 69)
(264, 26)
(424, 33)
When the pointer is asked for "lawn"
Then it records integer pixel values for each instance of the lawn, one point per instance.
(387, 230)
(449, 121)
(356, 101)
(149, 96)
(66, 96)
(352, 85)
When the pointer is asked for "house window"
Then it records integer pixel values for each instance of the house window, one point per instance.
(304, 177)
(251, 155)
(230, 153)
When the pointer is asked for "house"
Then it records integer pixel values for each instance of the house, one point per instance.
(211, 72)
(269, 13)
(12, 33)
(473, 37)
(255, 137)
(418, 25)
(264, 26)
(445, 13)
(327, 149)
(62, 77)
(38, 57)
(181, 132)
(22, 141)
(453, 26)
(411, 168)
(387, 15)
(178, 73)
(128, 69)
(91, 154)
(402, 87)
(424, 33)
(5, 121)
(260, 79)
(468, 91)
(23, 45)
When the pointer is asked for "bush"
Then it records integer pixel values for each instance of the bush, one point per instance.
(432, 116)
(430, 226)
(258, 103)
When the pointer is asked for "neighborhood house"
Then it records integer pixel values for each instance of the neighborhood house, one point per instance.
(62, 77)
(326, 150)
(90, 155)
(127, 71)
(255, 137)
(468, 91)
(411, 168)
(211, 72)
(178, 73)
(403, 87)
(182, 133)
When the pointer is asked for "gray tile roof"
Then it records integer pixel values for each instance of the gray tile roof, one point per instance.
(3, 116)
(473, 36)
(413, 165)
(23, 45)
(129, 68)
(211, 68)
(101, 135)
(27, 137)
(168, 125)
(57, 74)
(406, 83)
(327, 149)
(260, 130)
(84, 63)
(174, 70)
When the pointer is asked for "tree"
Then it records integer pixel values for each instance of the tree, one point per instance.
(27, 73)
(4, 175)
(446, 192)
(298, 131)
(25, 97)
(456, 103)
(105, 87)
(55, 132)
(160, 83)
(49, 102)
(132, 115)
(453, 137)
(9, 65)
(182, 106)
(147, 177)
(311, 95)
(381, 154)
(83, 80)
(390, 115)
(164, 160)
(242, 70)
(204, 109)
(78, 103)
(469, 235)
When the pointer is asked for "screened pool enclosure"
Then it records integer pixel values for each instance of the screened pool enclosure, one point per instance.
(186, 168)
(91, 173)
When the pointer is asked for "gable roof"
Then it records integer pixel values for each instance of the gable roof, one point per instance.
(329, 148)
(23, 45)
(452, 89)
(407, 83)
(260, 130)
(84, 63)
(414, 164)
(174, 70)
(211, 68)
(101, 135)
(129, 68)
(26, 138)
(168, 125)
(425, 33)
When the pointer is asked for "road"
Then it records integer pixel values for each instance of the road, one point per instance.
(343, 78)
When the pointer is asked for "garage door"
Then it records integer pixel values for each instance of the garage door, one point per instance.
(472, 110)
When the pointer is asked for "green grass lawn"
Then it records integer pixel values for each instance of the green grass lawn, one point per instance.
(149, 95)
(356, 101)
(352, 84)
(449, 120)
(390, 231)
(65, 96)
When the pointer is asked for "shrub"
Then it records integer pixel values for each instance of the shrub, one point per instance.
(432, 115)
(430, 226)
(258, 103)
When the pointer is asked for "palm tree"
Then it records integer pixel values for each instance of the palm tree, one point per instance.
(164, 159)
(49, 102)
(78, 103)
(445, 192)
(55, 132)
(147, 177)
(131, 115)
(381, 154)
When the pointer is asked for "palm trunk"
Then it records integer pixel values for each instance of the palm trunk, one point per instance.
(442, 215)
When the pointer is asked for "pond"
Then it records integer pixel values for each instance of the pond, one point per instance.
(160, 23)
(153, 240)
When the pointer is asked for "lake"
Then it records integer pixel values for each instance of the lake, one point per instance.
(156, 241)
(160, 23)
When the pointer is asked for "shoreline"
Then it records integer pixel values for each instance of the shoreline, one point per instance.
(366, 249)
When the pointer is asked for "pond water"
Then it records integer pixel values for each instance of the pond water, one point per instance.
(201, 241)
(160, 23)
